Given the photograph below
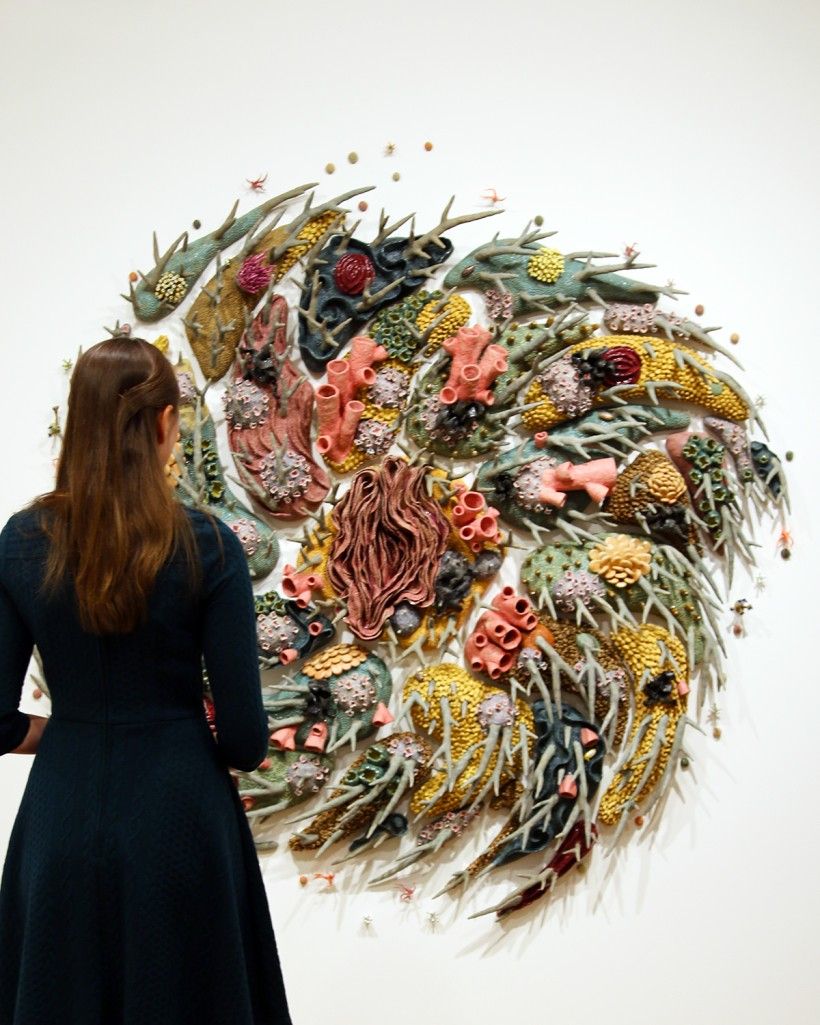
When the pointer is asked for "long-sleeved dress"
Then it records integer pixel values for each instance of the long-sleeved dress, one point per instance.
(131, 892)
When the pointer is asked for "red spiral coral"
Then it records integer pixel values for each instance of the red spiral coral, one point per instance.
(626, 365)
(353, 273)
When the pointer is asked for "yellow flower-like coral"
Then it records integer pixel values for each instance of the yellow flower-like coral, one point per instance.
(664, 482)
(621, 559)
(547, 265)
(171, 288)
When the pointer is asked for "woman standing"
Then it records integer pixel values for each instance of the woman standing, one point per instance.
(131, 893)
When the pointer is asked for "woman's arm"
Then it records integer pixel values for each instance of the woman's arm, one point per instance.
(229, 646)
(31, 740)
(18, 732)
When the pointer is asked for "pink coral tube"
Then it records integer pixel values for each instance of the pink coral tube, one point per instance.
(515, 609)
(340, 377)
(364, 352)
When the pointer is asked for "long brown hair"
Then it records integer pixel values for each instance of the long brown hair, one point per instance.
(116, 520)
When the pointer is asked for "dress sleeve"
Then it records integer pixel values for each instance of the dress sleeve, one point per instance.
(16, 646)
(229, 646)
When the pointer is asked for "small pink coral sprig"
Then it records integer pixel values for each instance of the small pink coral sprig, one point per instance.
(596, 477)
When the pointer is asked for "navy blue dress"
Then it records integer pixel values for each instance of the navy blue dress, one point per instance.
(131, 892)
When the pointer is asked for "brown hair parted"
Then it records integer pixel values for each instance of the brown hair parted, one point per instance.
(115, 519)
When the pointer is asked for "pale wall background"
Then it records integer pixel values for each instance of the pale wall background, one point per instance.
(689, 128)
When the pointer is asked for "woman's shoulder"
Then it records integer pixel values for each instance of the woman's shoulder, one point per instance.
(22, 532)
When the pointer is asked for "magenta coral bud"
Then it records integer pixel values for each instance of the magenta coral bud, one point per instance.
(254, 275)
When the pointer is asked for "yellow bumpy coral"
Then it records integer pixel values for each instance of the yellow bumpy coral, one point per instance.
(454, 314)
(621, 559)
(647, 649)
(467, 699)
(696, 384)
(547, 265)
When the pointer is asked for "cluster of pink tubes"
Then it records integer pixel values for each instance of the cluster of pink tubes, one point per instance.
(474, 366)
(285, 737)
(299, 587)
(476, 521)
(492, 646)
(339, 412)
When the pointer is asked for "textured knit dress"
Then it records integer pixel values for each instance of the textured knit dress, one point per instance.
(131, 892)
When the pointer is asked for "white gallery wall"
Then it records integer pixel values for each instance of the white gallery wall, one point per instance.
(690, 129)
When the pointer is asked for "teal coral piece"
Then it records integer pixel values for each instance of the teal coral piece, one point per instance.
(176, 271)
(501, 266)
(202, 482)
(284, 779)
(346, 701)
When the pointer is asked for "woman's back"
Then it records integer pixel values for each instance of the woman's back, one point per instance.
(131, 890)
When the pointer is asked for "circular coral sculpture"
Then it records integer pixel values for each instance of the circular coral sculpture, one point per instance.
(171, 288)
(373, 437)
(547, 265)
(334, 661)
(354, 692)
(621, 559)
(353, 273)
(562, 383)
(187, 388)
(496, 710)
(306, 774)
(390, 388)
(576, 585)
(275, 632)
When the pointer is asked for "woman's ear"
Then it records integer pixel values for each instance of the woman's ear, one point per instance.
(166, 421)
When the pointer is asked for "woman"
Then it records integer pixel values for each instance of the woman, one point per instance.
(131, 892)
